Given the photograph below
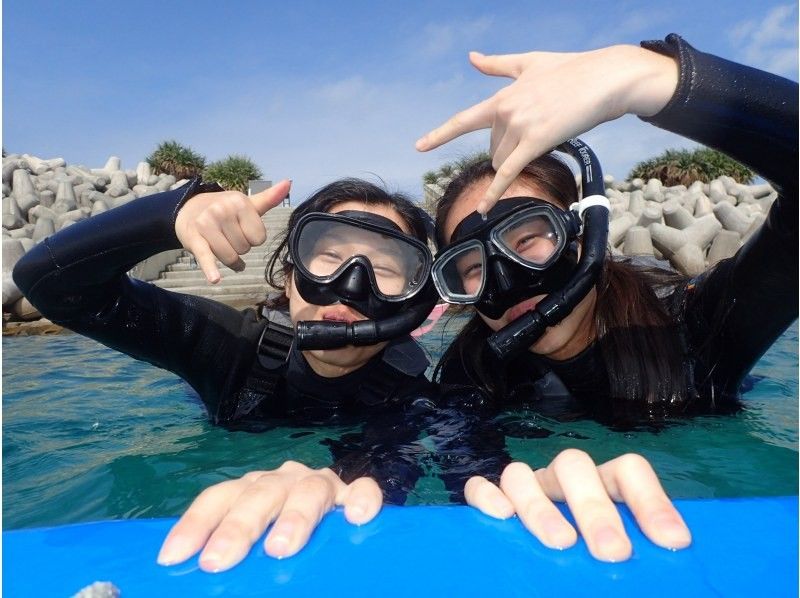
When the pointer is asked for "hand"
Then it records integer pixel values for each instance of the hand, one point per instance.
(555, 97)
(229, 517)
(225, 225)
(588, 490)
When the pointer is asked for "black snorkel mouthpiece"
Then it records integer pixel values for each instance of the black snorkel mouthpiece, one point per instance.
(593, 209)
(317, 334)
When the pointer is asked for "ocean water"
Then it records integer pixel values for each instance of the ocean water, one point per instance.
(91, 434)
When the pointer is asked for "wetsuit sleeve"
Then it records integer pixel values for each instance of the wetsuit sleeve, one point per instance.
(387, 450)
(78, 278)
(467, 437)
(735, 311)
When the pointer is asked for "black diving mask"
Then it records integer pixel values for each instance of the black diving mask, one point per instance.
(360, 259)
(509, 274)
(524, 247)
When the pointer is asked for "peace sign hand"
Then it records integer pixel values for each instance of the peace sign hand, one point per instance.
(554, 97)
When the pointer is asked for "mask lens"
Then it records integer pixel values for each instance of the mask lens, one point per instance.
(460, 273)
(326, 247)
(532, 239)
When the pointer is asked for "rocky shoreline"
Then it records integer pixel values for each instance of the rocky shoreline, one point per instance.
(41, 197)
(691, 228)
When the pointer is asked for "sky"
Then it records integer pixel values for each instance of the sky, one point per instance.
(315, 91)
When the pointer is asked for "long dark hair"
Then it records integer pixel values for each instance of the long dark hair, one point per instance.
(279, 268)
(638, 340)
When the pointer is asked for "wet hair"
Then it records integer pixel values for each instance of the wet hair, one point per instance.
(279, 268)
(638, 340)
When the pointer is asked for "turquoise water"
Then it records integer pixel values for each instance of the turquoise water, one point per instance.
(91, 434)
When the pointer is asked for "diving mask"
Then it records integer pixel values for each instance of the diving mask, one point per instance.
(524, 247)
(360, 259)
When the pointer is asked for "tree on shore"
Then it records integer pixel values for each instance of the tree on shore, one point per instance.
(447, 171)
(683, 167)
(170, 157)
(233, 172)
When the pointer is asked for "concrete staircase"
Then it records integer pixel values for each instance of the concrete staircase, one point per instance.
(238, 289)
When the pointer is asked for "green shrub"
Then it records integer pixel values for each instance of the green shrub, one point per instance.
(448, 169)
(170, 157)
(430, 177)
(683, 167)
(233, 173)
(471, 159)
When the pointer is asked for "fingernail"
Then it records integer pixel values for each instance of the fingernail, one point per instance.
(213, 557)
(358, 511)
(612, 546)
(501, 507)
(678, 535)
(165, 557)
(558, 534)
(279, 539)
(169, 551)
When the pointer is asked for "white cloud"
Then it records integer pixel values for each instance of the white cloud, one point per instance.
(437, 39)
(771, 43)
(346, 90)
(635, 25)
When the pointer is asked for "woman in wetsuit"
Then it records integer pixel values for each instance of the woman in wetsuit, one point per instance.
(634, 346)
(356, 256)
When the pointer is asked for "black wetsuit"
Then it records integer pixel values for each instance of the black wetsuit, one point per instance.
(729, 316)
(78, 279)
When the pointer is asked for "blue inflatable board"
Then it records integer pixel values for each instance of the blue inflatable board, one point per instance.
(741, 548)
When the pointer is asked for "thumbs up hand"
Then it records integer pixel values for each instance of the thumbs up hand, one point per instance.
(224, 225)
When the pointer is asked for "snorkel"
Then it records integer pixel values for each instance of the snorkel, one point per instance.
(593, 212)
(355, 284)
(316, 334)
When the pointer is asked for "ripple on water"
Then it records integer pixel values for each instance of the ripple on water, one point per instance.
(90, 434)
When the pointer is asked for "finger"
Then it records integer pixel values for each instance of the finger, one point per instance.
(204, 256)
(308, 501)
(630, 478)
(202, 517)
(534, 508)
(362, 499)
(252, 226)
(487, 498)
(473, 118)
(505, 146)
(497, 135)
(502, 65)
(253, 510)
(269, 198)
(573, 476)
(507, 172)
(235, 236)
(221, 247)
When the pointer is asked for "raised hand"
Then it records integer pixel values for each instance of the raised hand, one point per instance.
(554, 97)
(226, 519)
(224, 225)
(589, 490)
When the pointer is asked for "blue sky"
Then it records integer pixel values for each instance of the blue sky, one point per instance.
(315, 91)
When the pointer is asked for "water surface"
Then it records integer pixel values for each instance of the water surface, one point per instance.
(91, 434)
